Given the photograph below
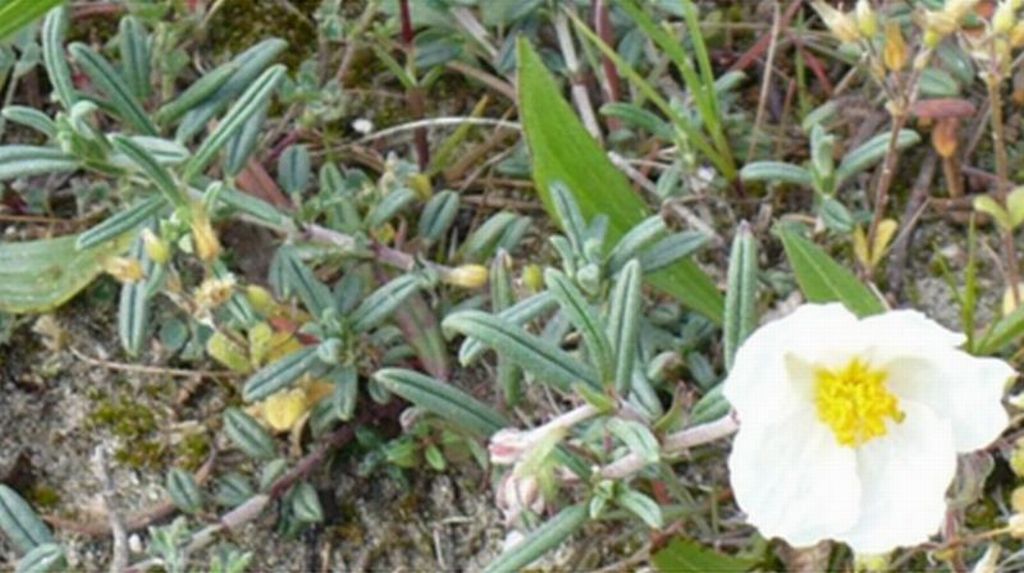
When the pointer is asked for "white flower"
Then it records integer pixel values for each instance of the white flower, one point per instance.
(850, 428)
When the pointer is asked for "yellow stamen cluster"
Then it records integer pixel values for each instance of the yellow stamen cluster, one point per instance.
(855, 402)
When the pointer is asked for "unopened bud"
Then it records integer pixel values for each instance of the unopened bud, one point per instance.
(518, 493)
(467, 276)
(842, 25)
(260, 299)
(204, 238)
(157, 249)
(420, 184)
(533, 278)
(1016, 525)
(944, 137)
(1017, 499)
(894, 53)
(867, 20)
(124, 269)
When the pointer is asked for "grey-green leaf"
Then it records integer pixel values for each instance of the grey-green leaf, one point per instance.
(104, 77)
(543, 539)
(249, 435)
(547, 362)
(184, 491)
(624, 323)
(280, 374)
(20, 523)
(447, 401)
(741, 293)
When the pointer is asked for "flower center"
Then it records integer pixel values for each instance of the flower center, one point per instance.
(855, 402)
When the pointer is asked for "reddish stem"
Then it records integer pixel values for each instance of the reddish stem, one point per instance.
(414, 95)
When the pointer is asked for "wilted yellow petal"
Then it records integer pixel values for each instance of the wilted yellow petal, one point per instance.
(283, 409)
(894, 53)
(467, 276)
(1009, 304)
(883, 235)
(124, 269)
(204, 238)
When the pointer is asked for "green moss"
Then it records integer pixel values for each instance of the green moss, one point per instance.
(141, 454)
(239, 24)
(44, 496)
(193, 450)
(125, 418)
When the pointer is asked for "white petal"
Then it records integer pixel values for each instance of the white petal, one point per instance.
(959, 387)
(794, 481)
(760, 385)
(904, 331)
(904, 476)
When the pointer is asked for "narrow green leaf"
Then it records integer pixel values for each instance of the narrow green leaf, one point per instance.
(824, 280)
(184, 491)
(26, 160)
(248, 104)
(510, 376)
(637, 239)
(306, 503)
(1003, 333)
(641, 506)
(16, 14)
(741, 293)
(562, 150)
(31, 118)
(685, 556)
(624, 323)
(121, 222)
(39, 276)
(249, 435)
(776, 172)
(133, 42)
(383, 302)
(637, 437)
(20, 523)
(158, 174)
(300, 280)
(133, 308)
(243, 144)
(671, 249)
(448, 402)
(871, 152)
(107, 80)
(279, 375)
(246, 67)
(438, 215)
(543, 539)
(53, 53)
(575, 306)
(548, 363)
(518, 314)
(42, 558)
(710, 407)
(293, 169)
(195, 94)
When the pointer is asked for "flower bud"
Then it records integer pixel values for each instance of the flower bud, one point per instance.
(1017, 459)
(420, 184)
(467, 276)
(124, 269)
(518, 493)
(1009, 301)
(1016, 526)
(260, 299)
(867, 21)
(507, 445)
(1017, 499)
(842, 25)
(157, 249)
(1017, 35)
(533, 278)
(204, 238)
(944, 137)
(894, 54)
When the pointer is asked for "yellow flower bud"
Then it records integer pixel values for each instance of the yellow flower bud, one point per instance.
(467, 276)
(533, 278)
(894, 54)
(1017, 500)
(124, 269)
(157, 249)
(867, 21)
(261, 300)
(1004, 18)
(204, 238)
(1016, 526)
(959, 9)
(214, 292)
(841, 24)
(1009, 303)
(420, 184)
(938, 25)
